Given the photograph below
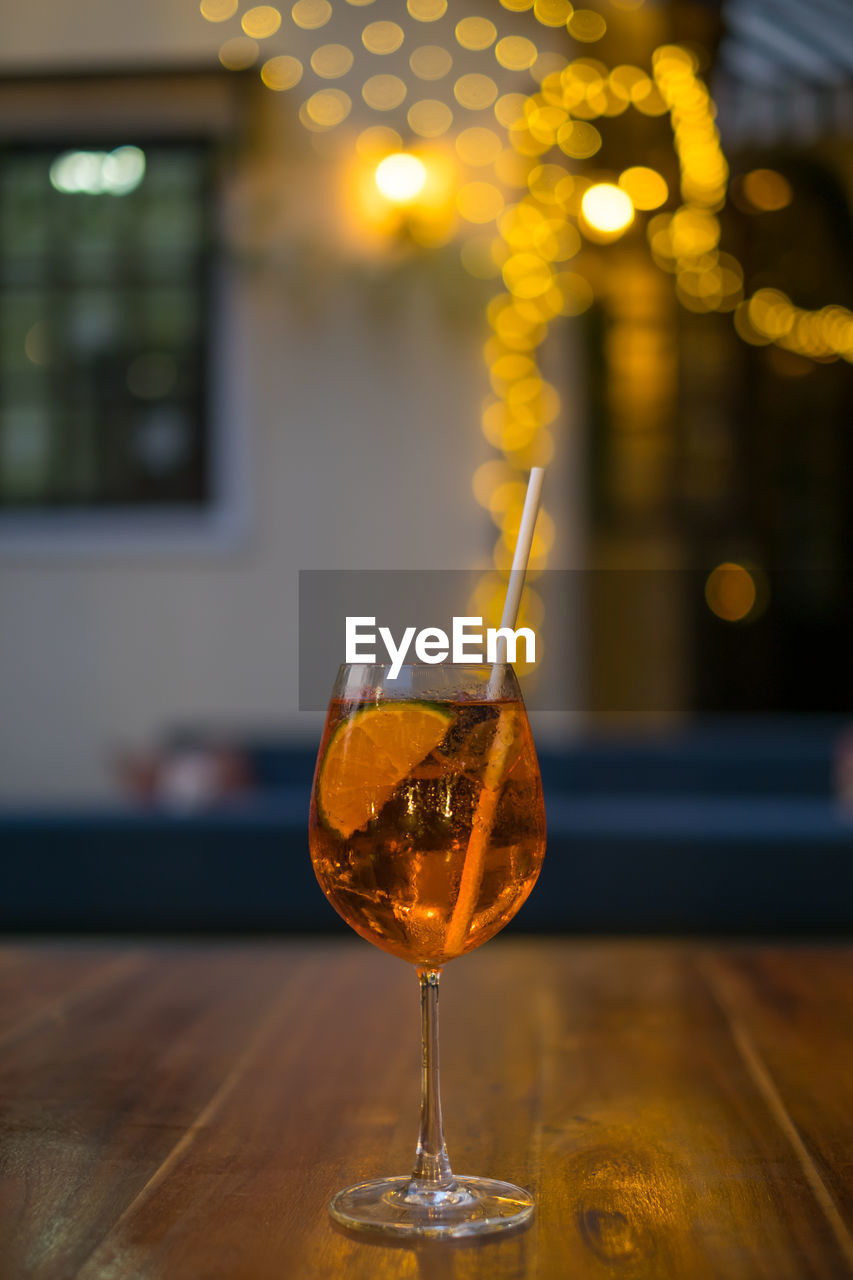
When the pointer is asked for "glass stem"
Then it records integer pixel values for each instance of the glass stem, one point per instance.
(432, 1170)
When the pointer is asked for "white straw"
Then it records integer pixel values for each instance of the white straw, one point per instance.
(506, 732)
(518, 572)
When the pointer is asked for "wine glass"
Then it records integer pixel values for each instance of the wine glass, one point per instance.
(427, 831)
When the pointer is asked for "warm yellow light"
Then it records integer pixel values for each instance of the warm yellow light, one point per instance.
(327, 108)
(239, 53)
(647, 189)
(544, 123)
(282, 72)
(552, 13)
(383, 92)
(578, 139)
(261, 21)
(607, 208)
(429, 118)
(730, 592)
(550, 183)
(382, 37)
(509, 109)
(767, 190)
(586, 25)
(526, 275)
(625, 81)
(516, 53)
(426, 10)
(430, 62)
(218, 10)
(311, 14)
(476, 33)
(648, 99)
(331, 61)
(693, 232)
(772, 313)
(475, 91)
(556, 240)
(401, 177)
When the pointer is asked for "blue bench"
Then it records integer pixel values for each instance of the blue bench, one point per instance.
(713, 832)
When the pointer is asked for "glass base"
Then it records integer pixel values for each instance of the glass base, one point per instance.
(400, 1207)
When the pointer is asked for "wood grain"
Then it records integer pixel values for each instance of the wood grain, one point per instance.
(39, 982)
(95, 1098)
(186, 1111)
(791, 1013)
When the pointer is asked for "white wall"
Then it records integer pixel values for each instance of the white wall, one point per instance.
(55, 34)
(361, 438)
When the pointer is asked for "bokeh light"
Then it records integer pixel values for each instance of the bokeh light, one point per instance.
(476, 33)
(516, 53)
(475, 91)
(646, 188)
(730, 592)
(384, 92)
(218, 10)
(767, 190)
(331, 61)
(328, 107)
(311, 14)
(426, 10)
(430, 62)
(429, 117)
(401, 177)
(526, 275)
(114, 173)
(514, 175)
(239, 53)
(586, 25)
(382, 37)
(552, 13)
(607, 208)
(261, 21)
(578, 139)
(282, 72)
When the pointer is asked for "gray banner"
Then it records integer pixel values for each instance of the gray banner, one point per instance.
(607, 641)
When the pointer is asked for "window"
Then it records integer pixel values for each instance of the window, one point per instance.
(104, 285)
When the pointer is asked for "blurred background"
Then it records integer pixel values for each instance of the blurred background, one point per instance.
(312, 287)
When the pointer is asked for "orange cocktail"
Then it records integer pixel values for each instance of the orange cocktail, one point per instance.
(427, 831)
(427, 825)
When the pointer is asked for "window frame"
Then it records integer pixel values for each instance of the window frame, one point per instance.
(222, 520)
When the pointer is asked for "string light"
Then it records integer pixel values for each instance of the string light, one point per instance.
(401, 177)
(731, 592)
(523, 208)
(607, 209)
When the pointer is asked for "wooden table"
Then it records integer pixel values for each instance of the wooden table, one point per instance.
(184, 1111)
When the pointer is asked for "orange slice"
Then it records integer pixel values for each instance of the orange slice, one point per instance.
(370, 753)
